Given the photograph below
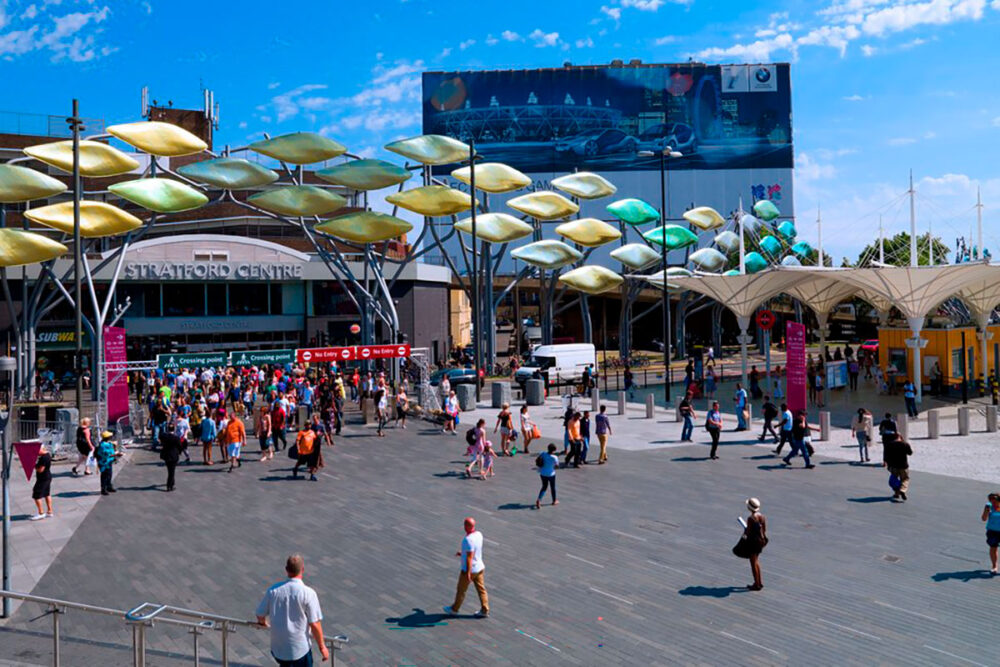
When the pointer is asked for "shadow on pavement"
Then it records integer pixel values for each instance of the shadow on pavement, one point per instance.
(712, 592)
(963, 575)
(421, 619)
(450, 473)
(516, 506)
(689, 459)
(777, 466)
(76, 494)
(871, 499)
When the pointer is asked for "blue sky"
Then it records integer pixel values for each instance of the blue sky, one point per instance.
(879, 86)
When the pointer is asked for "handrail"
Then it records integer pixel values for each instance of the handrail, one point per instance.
(146, 614)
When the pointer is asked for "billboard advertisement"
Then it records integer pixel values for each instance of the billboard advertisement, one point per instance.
(601, 118)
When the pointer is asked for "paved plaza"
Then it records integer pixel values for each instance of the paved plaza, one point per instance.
(632, 567)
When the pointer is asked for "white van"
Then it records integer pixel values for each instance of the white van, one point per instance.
(558, 364)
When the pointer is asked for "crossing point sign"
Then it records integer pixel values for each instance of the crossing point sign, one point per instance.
(261, 357)
(204, 360)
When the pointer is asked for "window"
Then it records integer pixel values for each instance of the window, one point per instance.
(151, 300)
(211, 255)
(216, 298)
(897, 358)
(276, 306)
(183, 300)
(247, 299)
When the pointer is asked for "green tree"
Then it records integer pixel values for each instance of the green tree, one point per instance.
(897, 251)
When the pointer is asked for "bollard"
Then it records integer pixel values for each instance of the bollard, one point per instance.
(650, 406)
(933, 424)
(534, 392)
(621, 403)
(366, 411)
(963, 421)
(991, 419)
(903, 424)
(824, 425)
(466, 394)
(500, 393)
(595, 400)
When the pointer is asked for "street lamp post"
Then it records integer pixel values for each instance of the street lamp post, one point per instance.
(7, 367)
(664, 215)
(476, 305)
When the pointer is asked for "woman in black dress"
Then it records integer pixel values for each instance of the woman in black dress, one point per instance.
(42, 490)
(755, 535)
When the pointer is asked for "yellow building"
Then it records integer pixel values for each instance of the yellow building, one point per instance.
(460, 318)
(944, 346)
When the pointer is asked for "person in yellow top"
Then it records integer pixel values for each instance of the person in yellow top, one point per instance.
(307, 446)
(235, 435)
(575, 441)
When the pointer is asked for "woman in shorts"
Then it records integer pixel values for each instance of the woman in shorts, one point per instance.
(235, 436)
(505, 424)
(401, 403)
(527, 427)
(991, 515)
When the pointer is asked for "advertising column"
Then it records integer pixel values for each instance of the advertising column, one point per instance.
(114, 359)
(795, 366)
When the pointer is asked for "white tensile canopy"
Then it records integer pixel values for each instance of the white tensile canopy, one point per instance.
(742, 294)
(822, 294)
(982, 296)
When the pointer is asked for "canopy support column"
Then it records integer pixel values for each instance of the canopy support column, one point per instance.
(823, 319)
(743, 321)
(983, 322)
(916, 344)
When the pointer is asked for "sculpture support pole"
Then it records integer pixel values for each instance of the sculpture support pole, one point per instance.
(77, 192)
(743, 321)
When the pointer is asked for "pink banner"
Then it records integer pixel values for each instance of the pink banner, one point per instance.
(795, 366)
(27, 454)
(115, 356)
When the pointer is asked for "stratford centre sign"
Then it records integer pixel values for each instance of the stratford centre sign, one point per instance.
(212, 271)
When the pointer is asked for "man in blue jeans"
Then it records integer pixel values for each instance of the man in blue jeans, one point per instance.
(687, 414)
(910, 396)
(291, 609)
(740, 398)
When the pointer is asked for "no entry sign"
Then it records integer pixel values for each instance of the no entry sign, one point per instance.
(352, 353)
(765, 319)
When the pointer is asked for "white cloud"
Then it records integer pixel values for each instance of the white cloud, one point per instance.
(510, 36)
(904, 16)
(445, 52)
(584, 43)
(543, 39)
(996, 121)
(853, 98)
(491, 40)
(273, 85)
(759, 51)
(930, 135)
(288, 105)
(666, 39)
(828, 154)
(867, 50)
(30, 12)
(808, 170)
(613, 13)
(63, 35)
(643, 5)
(466, 44)
(901, 141)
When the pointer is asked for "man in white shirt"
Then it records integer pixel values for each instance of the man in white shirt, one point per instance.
(473, 571)
(294, 613)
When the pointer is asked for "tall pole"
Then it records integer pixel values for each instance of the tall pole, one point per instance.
(914, 260)
(881, 242)
(979, 221)
(664, 214)
(476, 319)
(743, 264)
(76, 126)
(7, 368)
(819, 234)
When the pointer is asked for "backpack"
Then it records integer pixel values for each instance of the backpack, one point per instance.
(470, 436)
(539, 461)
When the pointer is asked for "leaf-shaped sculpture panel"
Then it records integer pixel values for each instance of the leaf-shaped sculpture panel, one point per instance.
(708, 259)
(433, 149)
(365, 174)
(636, 255)
(97, 219)
(802, 249)
(592, 279)
(727, 242)
(731, 272)
(229, 173)
(787, 230)
(20, 184)
(544, 205)
(704, 218)
(496, 227)
(766, 210)
(159, 138)
(771, 246)
(790, 260)
(298, 200)
(96, 159)
(365, 227)
(493, 177)
(750, 223)
(547, 254)
(432, 200)
(162, 195)
(658, 278)
(299, 148)
(18, 248)
(589, 232)
(585, 185)
(674, 236)
(754, 262)
(633, 211)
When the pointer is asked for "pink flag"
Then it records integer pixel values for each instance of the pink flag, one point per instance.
(795, 366)
(27, 454)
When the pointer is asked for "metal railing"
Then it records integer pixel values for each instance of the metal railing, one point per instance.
(144, 616)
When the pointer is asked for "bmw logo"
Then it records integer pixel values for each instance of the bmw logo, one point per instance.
(763, 75)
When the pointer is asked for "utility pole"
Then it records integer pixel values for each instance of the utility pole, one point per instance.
(979, 221)
(76, 125)
(881, 242)
(476, 317)
(914, 260)
(819, 234)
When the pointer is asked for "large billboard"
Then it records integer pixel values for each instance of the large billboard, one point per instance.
(604, 117)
